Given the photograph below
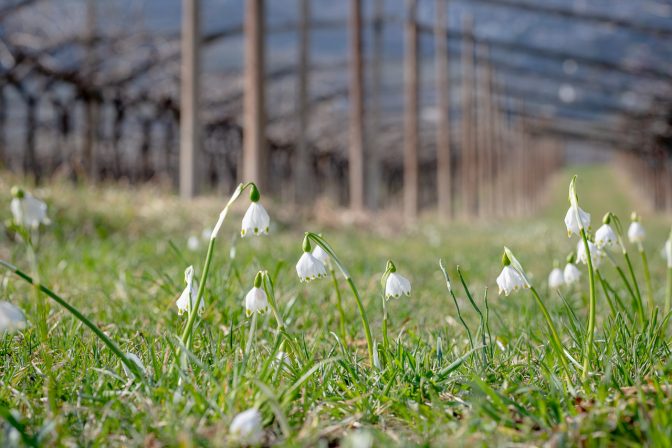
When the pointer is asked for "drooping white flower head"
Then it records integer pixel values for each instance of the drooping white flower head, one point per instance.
(320, 254)
(188, 297)
(256, 220)
(596, 254)
(636, 232)
(246, 428)
(556, 279)
(572, 274)
(667, 252)
(27, 210)
(309, 267)
(193, 243)
(11, 318)
(397, 285)
(510, 280)
(138, 362)
(576, 219)
(605, 236)
(256, 300)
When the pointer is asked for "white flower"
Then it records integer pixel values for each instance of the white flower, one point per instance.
(11, 318)
(256, 301)
(134, 359)
(556, 279)
(246, 427)
(28, 211)
(206, 234)
(190, 291)
(667, 252)
(310, 268)
(605, 236)
(193, 243)
(320, 254)
(596, 254)
(255, 221)
(571, 274)
(510, 280)
(573, 224)
(396, 286)
(636, 233)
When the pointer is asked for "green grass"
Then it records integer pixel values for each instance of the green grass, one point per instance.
(119, 254)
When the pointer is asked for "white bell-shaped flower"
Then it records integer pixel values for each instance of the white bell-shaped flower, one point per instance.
(138, 362)
(11, 318)
(310, 268)
(667, 252)
(605, 236)
(596, 254)
(28, 211)
(320, 254)
(556, 279)
(572, 274)
(397, 285)
(576, 219)
(256, 220)
(188, 297)
(510, 280)
(193, 243)
(246, 428)
(636, 232)
(256, 301)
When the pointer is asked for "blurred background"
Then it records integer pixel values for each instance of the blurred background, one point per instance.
(463, 107)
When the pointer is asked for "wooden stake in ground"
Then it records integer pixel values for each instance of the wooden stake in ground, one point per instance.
(356, 154)
(411, 140)
(374, 152)
(255, 151)
(303, 179)
(190, 92)
(443, 149)
(468, 150)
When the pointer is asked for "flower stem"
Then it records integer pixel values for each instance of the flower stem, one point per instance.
(362, 314)
(640, 304)
(270, 293)
(647, 277)
(339, 302)
(590, 332)
(668, 293)
(384, 325)
(557, 343)
(193, 311)
(75, 312)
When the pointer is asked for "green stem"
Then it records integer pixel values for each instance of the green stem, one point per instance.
(606, 293)
(386, 343)
(75, 312)
(590, 332)
(668, 293)
(362, 314)
(193, 311)
(339, 302)
(557, 343)
(647, 277)
(640, 304)
(270, 293)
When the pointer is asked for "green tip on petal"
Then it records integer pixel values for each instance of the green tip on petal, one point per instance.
(607, 218)
(17, 192)
(634, 217)
(505, 259)
(306, 244)
(571, 257)
(390, 267)
(257, 279)
(254, 193)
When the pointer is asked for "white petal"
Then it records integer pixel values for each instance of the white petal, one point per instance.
(573, 223)
(193, 243)
(636, 232)
(510, 280)
(246, 427)
(256, 301)
(11, 318)
(190, 291)
(556, 279)
(668, 253)
(605, 236)
(571, 274)
(29, 211)
(397, 285)
(320, 254)
(310, 268)
(256, 220)
(596, 254)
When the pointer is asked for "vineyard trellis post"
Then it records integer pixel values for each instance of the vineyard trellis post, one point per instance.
(356, 98)
(443, 126)
(411, 106)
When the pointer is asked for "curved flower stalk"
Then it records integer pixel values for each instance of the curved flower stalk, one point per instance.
(304, 274)
(254, 197)
(513, 279)
(395, 285)
(269, 290)
(590, 331)
(321, 255)
(637, 235)
(667, 250)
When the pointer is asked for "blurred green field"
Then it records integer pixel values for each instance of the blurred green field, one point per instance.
(119, 254)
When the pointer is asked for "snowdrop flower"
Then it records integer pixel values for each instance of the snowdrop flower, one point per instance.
(605, 237)
(636, 232)
(576, 219)
(188, 297)
(28, 211)
(256, 218)
(309, 267)
(11, 318)
(246, 428)
(134, 359)
(320, 254)
(571, 274)
(396, 285)
(206, 234)
(193, 243)
(667, 252)
(556, 279)
(596, 254)
(510, 280)
(256, 300)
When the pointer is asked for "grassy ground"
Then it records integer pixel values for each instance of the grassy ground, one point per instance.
(119, 256)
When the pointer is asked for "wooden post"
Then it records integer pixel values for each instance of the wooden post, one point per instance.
(356, 154)
(487, 130)
(255, 151)
(443, 149)
(468, 150)
(374, 153)
(90, 104)
(303, 180)
(3, 129)
(411, 140)
(190, 98)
